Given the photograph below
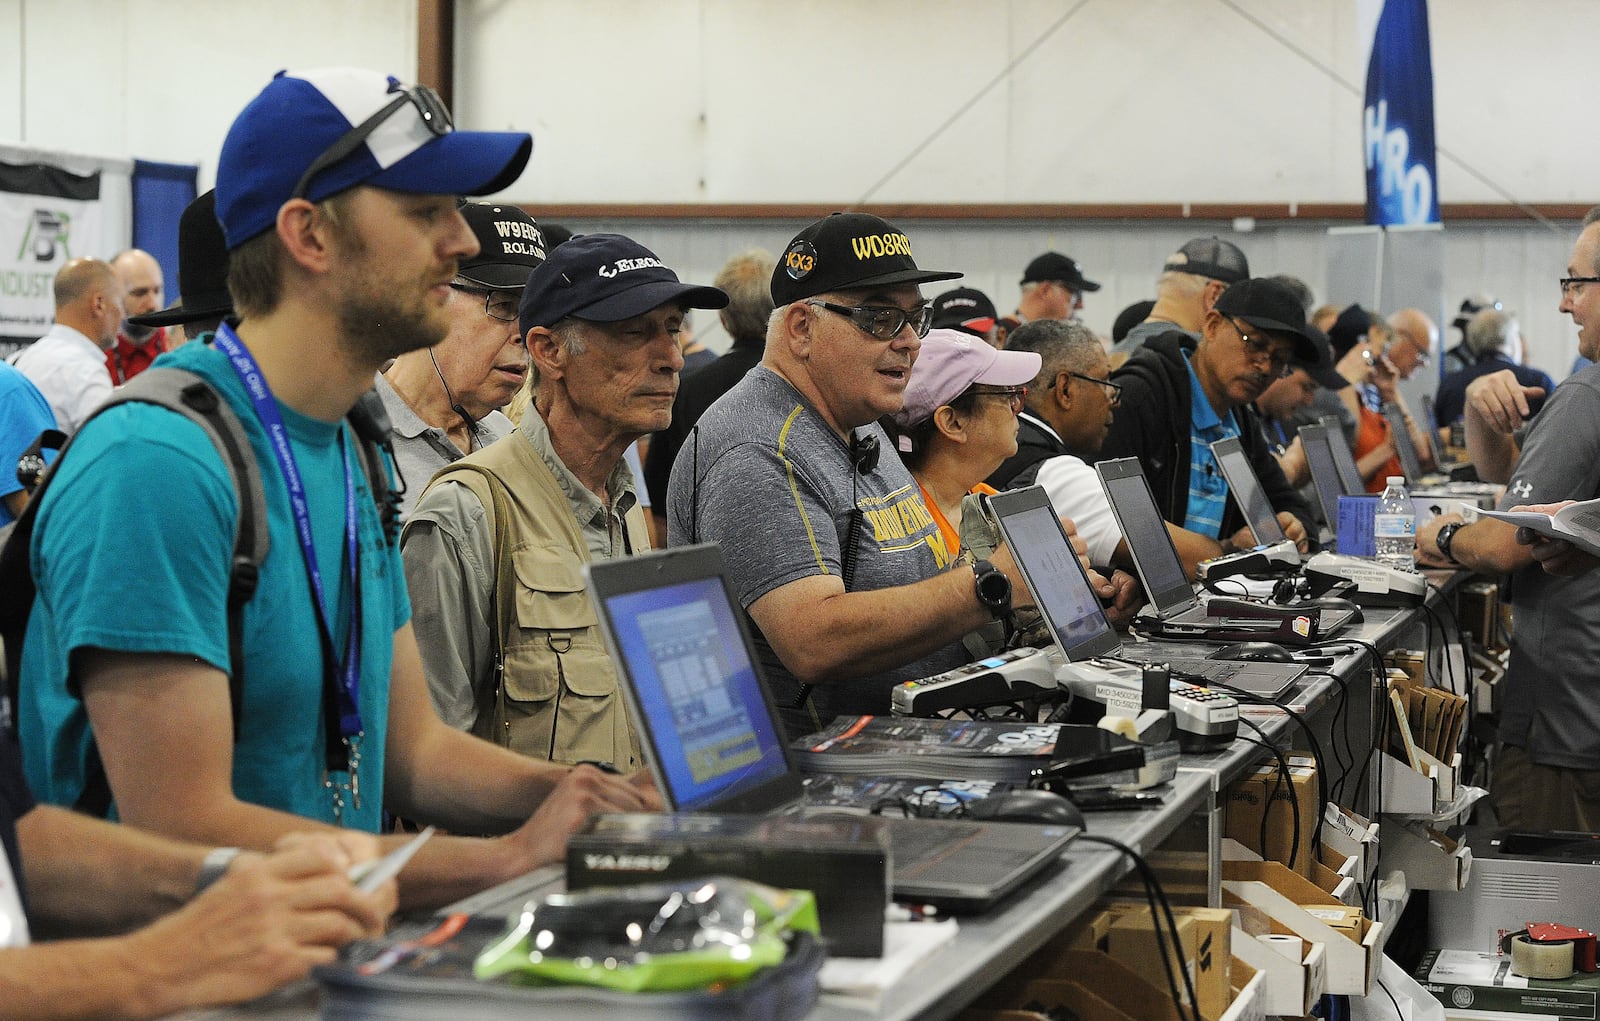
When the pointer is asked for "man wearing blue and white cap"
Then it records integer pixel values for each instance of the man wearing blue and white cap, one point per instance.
(600, 319)
(336, 194)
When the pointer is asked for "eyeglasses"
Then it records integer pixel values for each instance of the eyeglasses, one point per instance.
(1260, 350)
(1113, 390)
(1570, 285)
(1016, 396)
(882, 321)
(496, 304)
(435, 117)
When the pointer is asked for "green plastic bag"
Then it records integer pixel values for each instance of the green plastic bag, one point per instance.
(664, 936)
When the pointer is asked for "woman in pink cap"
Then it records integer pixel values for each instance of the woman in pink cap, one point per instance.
(959, 420)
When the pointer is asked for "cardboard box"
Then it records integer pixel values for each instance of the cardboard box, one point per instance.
(1352, 956)
(844, 862)
(1289, 988)
(1353, 836)
(1431, 860)
(1475, 981)
(1263, 793)
(1136, 943)
(1205, 935)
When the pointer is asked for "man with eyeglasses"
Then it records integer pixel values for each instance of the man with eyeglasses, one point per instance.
(1053, 287)
(444, 401)
(1179, 396)
(336, 195)
(495, 550)
(828, 543)
(1547, 769)
(1069, 411)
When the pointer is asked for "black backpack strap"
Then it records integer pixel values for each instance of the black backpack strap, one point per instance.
(191, 396)
(370, 420)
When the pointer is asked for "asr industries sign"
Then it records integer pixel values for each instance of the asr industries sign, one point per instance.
(1398, 119)
(48, 215)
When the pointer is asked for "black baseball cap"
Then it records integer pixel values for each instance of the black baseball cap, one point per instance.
(605, 278)
(846, 252)
(202, 269)
(510, 246)
(1322, 370)
(1210, 257)
(1268, 305)
(1349, 329)
(965, 308)
(1060, 268)
(1471, 305)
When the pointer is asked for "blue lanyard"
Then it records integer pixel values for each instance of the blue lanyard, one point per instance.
(341, 686)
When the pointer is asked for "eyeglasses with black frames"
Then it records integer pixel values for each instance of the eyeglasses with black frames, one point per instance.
(499, 305)
(882, 321)
(1112, 390)
(1016, 396)
(1259, 350)
(435, 117)
(1570, 285)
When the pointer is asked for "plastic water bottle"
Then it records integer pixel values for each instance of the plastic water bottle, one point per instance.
(1394, 526)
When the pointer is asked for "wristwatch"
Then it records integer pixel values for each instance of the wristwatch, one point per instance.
(1446, 536)
(213, 865)
(993, 587)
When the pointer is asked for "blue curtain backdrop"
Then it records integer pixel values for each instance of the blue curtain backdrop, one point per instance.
(1398, 119)
(160, 193)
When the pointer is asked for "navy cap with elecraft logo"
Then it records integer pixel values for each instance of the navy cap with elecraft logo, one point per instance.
(510, 245)
(844, 252)
(605, 278)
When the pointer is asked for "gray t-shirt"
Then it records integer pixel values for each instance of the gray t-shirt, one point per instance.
(420, 449)
(766, 477)
(1551, 705)
(1143, 332)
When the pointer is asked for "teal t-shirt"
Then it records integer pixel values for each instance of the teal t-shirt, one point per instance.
(131, 553)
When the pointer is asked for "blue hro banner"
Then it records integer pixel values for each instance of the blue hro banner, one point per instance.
(1398, 119)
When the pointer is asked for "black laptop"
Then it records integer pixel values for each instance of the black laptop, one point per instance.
(1246, 490)
(1071, 610)
(1325, 478)
(1343, 457)
(714, 742)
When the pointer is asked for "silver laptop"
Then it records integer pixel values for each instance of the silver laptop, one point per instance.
(1343, 457)
(1246, 490)
(1325, 479)
(1071, 610)
(714, 742)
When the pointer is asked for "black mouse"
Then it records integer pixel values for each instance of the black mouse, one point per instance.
(1335, 603)
(1261, 651)
(1027, 806)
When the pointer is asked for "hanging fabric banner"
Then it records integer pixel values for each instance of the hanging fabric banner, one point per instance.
(1398, 119)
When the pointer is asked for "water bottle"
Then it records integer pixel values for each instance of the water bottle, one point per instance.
(1394, 526)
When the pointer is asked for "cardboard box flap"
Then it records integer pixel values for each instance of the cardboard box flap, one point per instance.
(1352, 962)
(1289, 988)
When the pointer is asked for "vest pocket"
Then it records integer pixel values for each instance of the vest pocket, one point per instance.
(561, 693)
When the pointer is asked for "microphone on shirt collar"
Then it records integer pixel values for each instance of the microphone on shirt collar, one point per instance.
(455, 406)
(863, 453)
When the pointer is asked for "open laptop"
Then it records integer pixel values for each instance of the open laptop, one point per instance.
(1343, 457)
(1404, 449)
(714, 742)
(1325, 479)
(1247, 492)
(1071, 610)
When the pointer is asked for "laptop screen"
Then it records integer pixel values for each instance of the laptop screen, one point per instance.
(1404, 449)
(1430, 418)
(1155, 558)
(1247, 492)
(1315, 441)
(1343, 457)
(1051, 569)
(705, 712)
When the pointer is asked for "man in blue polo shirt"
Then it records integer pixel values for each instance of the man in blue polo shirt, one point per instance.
(1179, 396)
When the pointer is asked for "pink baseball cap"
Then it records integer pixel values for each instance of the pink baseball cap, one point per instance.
(951, 361)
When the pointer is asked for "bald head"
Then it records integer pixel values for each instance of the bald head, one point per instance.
(1416, 340)
(89, 299)
(142, 281)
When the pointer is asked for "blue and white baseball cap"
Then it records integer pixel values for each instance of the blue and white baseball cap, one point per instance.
(301, 115)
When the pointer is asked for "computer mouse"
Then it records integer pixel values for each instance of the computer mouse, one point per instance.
(1027, 806)
(1261, 651)
(1335, 603)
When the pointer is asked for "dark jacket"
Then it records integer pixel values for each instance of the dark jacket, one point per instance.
(1035, 445)
(697, 391)
(1152, 424)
